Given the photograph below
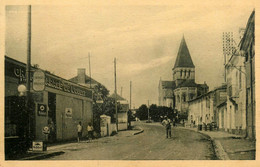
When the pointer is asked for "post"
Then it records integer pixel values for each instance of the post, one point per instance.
(130, 94)
(148, 112)
(116, 95)
(28, 78)
(89, 69)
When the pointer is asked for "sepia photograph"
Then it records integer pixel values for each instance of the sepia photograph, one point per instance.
(132, 82)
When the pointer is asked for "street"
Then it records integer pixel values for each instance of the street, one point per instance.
(149, 145)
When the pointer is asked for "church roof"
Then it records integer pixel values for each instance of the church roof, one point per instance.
(168, 84)
(183, 58)
(188, 83)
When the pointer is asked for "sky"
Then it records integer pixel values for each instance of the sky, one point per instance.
(143, 38)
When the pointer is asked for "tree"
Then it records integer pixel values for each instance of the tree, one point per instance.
(142, 112)
(102, 104)
(154, 113)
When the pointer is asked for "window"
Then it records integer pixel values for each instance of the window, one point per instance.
(181, 73)
(184, 97)
(207, 102)
(191, 95)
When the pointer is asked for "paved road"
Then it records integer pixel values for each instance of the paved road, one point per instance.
(150, 145)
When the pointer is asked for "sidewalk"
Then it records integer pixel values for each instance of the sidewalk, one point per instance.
(58, 148)
(230, 146)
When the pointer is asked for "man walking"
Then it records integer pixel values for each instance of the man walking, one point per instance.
(167, 123)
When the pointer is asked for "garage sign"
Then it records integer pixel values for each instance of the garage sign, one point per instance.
(38, 80)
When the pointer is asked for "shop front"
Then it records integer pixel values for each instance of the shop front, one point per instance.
(59, 106)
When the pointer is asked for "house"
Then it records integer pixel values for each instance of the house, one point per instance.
(247, 47)
(124, 108)
(84, 79)
(203, 109)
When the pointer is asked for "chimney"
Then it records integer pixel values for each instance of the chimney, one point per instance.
(81, 75)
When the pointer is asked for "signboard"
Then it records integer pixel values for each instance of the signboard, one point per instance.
(38, 146)
(46, 130)
(42, 109)
(65, 86)
(38, 80)
(68, 112)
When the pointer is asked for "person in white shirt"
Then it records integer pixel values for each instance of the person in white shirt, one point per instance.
(90, 132)
(167, 123)
(79, 127)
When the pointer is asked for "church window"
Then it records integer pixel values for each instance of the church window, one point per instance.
(185, 73)
(184, 97)
(181, 73)
(191, 95)
(189, 74)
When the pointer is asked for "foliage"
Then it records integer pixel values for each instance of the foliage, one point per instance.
(156, 112)
(102, 104)
(142, 112)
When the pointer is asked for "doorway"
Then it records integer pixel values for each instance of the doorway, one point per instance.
(52, 117)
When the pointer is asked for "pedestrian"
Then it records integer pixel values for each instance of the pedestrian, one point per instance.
(90, 130)
(167, 123)
(51, 136)
(79, 127)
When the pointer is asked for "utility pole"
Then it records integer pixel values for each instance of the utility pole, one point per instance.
(28, 78)
(89, 69)
(116, 95)
(130, 94)
(148, 112)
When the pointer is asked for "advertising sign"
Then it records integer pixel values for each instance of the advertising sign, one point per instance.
(37, 146)
(42, 109)
(46, 130)
(68, 112)
(38, 80)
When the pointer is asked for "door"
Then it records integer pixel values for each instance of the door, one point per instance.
(52, 116)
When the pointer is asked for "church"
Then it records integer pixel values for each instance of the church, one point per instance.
(182, 88)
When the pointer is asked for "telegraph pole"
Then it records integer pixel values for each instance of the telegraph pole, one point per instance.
(89, 68)
(28, 77)
(116, 95)
(148, 112)
(130, 94)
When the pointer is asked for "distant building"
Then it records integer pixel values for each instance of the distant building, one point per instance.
(122, 113)
(182, 88)
(203, 109)
(166, 93)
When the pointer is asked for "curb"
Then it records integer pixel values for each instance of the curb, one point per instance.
(43, 156)
(140, 131)
(217, 146)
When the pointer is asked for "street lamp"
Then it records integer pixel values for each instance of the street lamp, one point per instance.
(21, 89)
